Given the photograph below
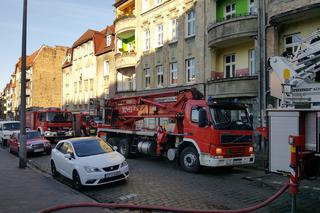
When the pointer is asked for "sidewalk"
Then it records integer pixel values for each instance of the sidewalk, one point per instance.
(28, 190)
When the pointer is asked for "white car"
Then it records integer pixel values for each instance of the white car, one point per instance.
(7, 129)
(88, 161)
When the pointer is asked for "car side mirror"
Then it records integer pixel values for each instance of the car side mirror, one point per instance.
(115, 148)
(68, 156)
(203, 119)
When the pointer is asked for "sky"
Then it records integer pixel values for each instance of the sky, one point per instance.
(50, 22)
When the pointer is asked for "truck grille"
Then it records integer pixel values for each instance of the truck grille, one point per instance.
(235, 151)
(111, 168)
(236, 139)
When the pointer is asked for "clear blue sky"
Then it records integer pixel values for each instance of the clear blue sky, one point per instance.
(51, 22)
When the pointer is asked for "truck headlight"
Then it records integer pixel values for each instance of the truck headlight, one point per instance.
(250, 149)
(218, 151)
(91, 169)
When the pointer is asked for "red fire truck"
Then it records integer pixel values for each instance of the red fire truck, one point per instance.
(182, 126)
(85, 124)
(52, 123)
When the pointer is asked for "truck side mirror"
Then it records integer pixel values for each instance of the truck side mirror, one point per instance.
(203, 119)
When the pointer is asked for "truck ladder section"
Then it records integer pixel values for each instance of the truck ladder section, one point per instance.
(297, 73)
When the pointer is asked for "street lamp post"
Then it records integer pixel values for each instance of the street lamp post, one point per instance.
(23, 136)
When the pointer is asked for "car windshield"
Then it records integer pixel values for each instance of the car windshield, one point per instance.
(230, 118)
(84, 148)
(11, 126)
(33, 135)
(59, 117)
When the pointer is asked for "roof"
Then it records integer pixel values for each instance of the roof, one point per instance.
(87, 36)
(68, 63)
(102, 41)
(30, 59)
(80, 139)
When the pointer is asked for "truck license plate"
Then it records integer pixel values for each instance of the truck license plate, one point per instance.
(38, 150)
(112, 174)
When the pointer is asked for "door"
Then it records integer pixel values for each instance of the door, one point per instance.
(68, 165)
(201, 135)
(59, 158)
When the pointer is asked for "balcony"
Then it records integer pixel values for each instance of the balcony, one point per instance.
(228, 32)
(125, 60)
(241, 86)
(125, 23)
(281, 11)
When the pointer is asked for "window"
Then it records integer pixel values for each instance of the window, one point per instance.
(106, 93)
(230, 66)
(67, 80)
(86, 97)
(191, 23)
(190, 70)
(145, 5)
(174, 73)
(230, 11)
(252, 7)
(174, 30)
(252, 62)
(108, 40)
(91, 94)
(160, 76)
(91, 71)
(159, 38)
(195, 114)
(126, 82)
(106, 68)
(147, 77)
(159, 2)
(291, 43)
(146, 42)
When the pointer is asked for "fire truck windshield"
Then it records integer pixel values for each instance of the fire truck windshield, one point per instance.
(230, 118)
(59, 117)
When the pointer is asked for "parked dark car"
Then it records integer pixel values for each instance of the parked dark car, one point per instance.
(35, 143)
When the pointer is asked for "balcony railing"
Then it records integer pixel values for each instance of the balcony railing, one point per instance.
(236, 16)
(125, 16)
(125, 59)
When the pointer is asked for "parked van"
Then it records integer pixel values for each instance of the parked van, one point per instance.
(7, 128)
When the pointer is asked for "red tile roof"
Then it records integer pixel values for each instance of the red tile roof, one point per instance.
(68, 63)
(102, 41)
(30, 60)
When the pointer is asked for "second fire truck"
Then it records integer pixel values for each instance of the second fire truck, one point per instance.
(52, 123)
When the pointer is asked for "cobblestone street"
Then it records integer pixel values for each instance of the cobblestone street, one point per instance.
(160, 182)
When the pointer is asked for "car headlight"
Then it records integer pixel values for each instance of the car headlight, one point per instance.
(91, 169)
(124, 163)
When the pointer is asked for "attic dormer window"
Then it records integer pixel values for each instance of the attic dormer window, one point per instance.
(68, 57)
(108, 40)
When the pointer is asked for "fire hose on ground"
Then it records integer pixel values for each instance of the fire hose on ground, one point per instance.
(166, 209)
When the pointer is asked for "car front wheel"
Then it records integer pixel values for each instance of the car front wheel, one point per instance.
(54, 171)
(76, 180)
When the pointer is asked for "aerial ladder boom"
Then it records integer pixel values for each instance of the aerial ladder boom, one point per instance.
(297, 72)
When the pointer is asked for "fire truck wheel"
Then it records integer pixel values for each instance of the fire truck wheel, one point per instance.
(124, 147)
(189, 160)
(114, 142)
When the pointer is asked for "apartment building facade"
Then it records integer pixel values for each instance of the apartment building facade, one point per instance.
(88, 71)
(160, 45)
(232, 38)
(289, 24)
(43, 78)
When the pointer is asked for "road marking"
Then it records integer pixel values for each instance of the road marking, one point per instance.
(316, 188)
(276, 182)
